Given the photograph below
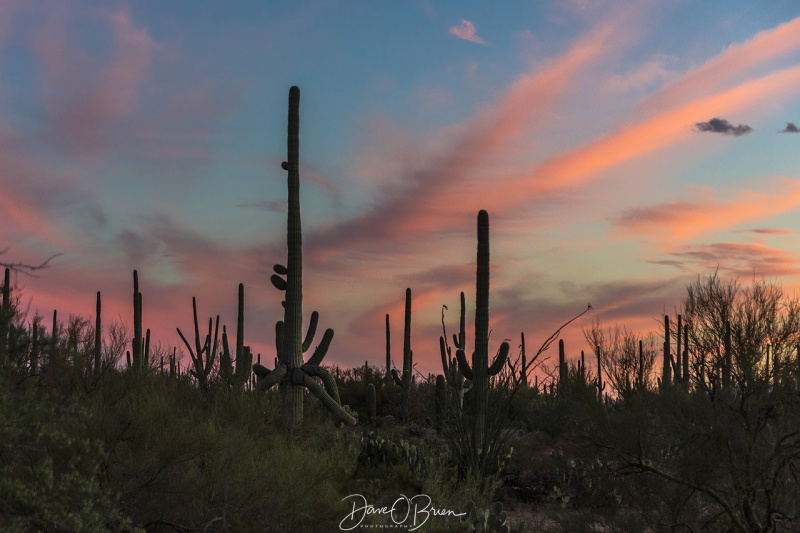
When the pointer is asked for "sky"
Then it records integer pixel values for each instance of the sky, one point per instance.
(622, 149)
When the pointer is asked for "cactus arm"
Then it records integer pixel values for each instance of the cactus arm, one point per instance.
(335, 408)
(211, 355)
(312, 330)
(278, 282)
(322, 349)
(327, 380)
(260, 370)
(500, 359)
(463, 365)
(445, 364)
(272, 378)
(188, 346)
(396, 378)
(225, 361)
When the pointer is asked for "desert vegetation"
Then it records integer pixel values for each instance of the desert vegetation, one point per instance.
(692, 428)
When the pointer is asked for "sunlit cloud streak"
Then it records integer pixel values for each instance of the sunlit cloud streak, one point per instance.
(681, 219)
(425, 199)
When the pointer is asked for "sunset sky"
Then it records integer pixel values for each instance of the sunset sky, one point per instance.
(620, 148)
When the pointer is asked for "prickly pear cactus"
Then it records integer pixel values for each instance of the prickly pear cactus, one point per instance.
(377, 451)
(491, 520)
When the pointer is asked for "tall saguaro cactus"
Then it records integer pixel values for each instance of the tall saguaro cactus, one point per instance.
(98, 338)
(140, 346)
(666, 372)
(290, 372)
(5, 314)
(408, 363)
(480, 370)
(388, 349)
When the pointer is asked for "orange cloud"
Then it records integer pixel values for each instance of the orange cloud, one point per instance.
(466, 31)
(668, 128)
(687, 219)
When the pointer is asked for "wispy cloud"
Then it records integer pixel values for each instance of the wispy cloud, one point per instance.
(682, 219)
(720, 125)
(730, 66)
(739, 259)
(466, 31)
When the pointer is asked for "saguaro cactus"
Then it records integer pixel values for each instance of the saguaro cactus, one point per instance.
(480, 370)
(203, 355)
(140, 346)
(290, 372)
(408, 363)
(666, 372)
(600, 385)
(236, 376)
(98, 338)
(5, 314)
(452, 375)
(563, 370)
(388, 349)
(523, 372)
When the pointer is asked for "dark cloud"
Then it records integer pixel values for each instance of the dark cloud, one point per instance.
(766, 231)
(720, 125)
(790, 128)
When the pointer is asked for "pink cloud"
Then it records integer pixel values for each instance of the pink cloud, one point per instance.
(85, 95)
(466, 31)
(684, 220)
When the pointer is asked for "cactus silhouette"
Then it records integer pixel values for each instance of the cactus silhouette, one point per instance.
(140, 346)
(204, 354)
(480, 370)
(237, 376)
(290, 371)
(98, 337)
(666, 373)
(452, 375)
(563, 371)
(388, 349)
(408, 364)
(5, 314)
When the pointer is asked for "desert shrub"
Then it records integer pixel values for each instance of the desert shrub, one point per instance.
(50, 465)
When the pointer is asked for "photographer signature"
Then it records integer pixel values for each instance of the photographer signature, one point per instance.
(413, 512)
